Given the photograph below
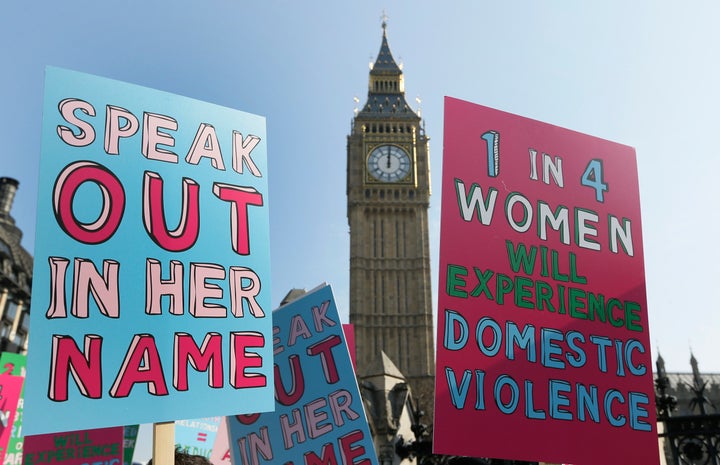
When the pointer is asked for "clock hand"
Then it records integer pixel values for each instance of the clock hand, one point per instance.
(388, 162)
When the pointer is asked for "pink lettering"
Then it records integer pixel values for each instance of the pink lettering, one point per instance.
(315, 417)
(240, 292)
(324, 349)
(248, 419)
(328, 456)
(350, 453)
(320, 316)
(294, 428)
(141, 365)
(114, 131)
(85, 367)
(206, 145)
(86, 133)
(298, 327)
(241, 153)
(240, 197)
(58, 268)
(201, 289)
(152, 136)
(113, 197)
(104, 290)
(186, 233)
(208, 358)
(340, 401)
(156, 287)
(243, 359)
(297, 383)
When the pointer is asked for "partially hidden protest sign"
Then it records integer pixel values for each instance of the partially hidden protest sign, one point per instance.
(543, 346)
(14, 364)
(197, 437)
(319, 416)
(10, 394)
(130, 435)
(103, 446)
(349, 331)
(151, 281)
(220, 454)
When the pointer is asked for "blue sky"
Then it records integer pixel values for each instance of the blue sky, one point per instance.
(641, 73)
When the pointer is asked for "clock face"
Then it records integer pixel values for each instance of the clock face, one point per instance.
(388, 163)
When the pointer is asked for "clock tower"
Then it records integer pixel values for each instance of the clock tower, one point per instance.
(388, 194)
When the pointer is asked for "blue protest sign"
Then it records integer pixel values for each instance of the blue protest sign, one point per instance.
(319, 416)
(151, 277)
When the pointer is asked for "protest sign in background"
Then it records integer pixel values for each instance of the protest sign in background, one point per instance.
(197, 437)
(98, 446)
(319, 415)
(151, 289)
(220, 454)
(130, 434)
(14, 364)
(10, 394)
(543, 351)
(349, 331)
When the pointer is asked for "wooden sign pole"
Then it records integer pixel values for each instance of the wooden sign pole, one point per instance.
(164, 443)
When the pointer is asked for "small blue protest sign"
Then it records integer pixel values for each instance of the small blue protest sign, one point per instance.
(197, 436)
(319, 416)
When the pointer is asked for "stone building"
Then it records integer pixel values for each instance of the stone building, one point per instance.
(689, 388)
(688, 415)
(388, 196)
(16, 266)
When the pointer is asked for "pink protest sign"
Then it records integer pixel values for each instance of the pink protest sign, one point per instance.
(542, 330)
(102, 446)
(10, 390)
(220, 454)
(349, 331)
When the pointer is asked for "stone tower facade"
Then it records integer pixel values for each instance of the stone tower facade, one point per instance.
(16, 265)
(388, 194)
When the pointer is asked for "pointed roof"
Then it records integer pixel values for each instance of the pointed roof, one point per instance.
(697, 378)
(383, 366)
(385, 63)
(293, 294)
(660, 365)
(386, 92)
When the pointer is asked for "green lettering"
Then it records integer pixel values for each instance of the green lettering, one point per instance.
(555, 267)
(523, 295)
(59, 441)
(576, 302)
(632, 316)
(482, 286)
(612, 304)
(455, 280)
(543, 294)
(596, 307)
(504, 286)
(561, 299)
(520, 258)
(574, 277)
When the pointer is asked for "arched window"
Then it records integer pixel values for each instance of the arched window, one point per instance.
(4, 248)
